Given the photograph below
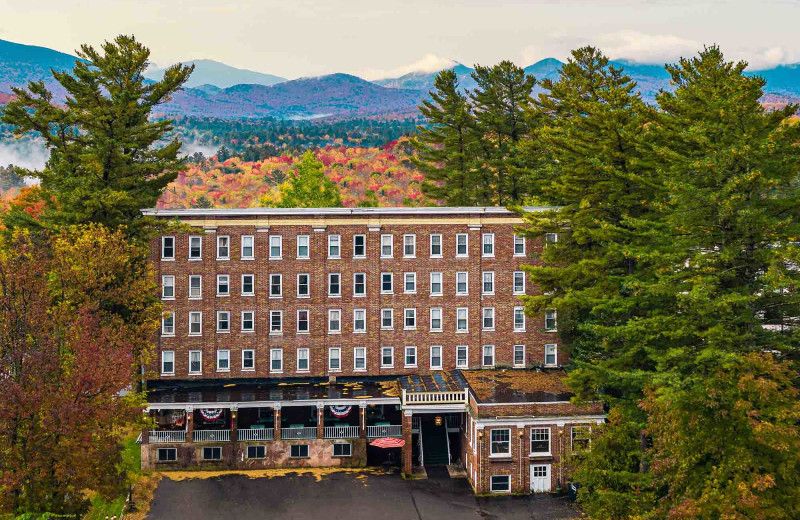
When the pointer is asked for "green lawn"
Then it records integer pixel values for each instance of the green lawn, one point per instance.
(132, 462)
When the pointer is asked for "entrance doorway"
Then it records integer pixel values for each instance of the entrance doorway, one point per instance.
(540, 478)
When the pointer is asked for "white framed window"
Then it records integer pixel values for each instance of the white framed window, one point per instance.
(410, 319)
(359, 359)
(436, 319)
(334, 359)
(359, 285)
(334, 284)
(488, 244)
(275, 247)
(334, 246)
(223, 321)
(488, 282)
(359, 246)
(248, 321)
(195, 323)
(195, 361)
(462, 319)
(462, 356)
(519, 319)
(410, 283)
(248, 250)
(303, 249)
(302, 321)
(519, 355)
(303, 288)
(248, 359)
(223, 247)
(436, 245)
(500, 484)
(580, 438)
(195, 248)
(436, 284)
(223, 361)
(334, 321)
(359, 320)
(409, 246)
(500, 441)
(540, 441)
(436, 357)
(195, 287)
(488, 356)
(248, 285)
(303, 360)
(462, 245)
(168, 248)
(387, 246)
(276, 322)
(275, 285)
(410, 357)
(223, 285)
(551, 354)
(550, 321)
(168, 287)
(387, 283)
(462, 283)
(342, 449)
(276, 360)
(519, 245)
(387, 319)
(167, 362)
(550, 238)
(519, 282)
(488, 318)
(387, 357)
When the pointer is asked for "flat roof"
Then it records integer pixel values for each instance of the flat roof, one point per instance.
(451, 381)
(316, 212)
(518, 385)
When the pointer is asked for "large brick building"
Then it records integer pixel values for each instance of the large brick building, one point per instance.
(296, 337)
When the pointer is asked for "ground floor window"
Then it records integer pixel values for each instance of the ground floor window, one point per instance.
(212, 453)
(167, 454)
(256, 452)
(500, 484)
(298, 451)
(342, 449)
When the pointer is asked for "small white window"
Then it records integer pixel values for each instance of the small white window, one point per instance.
(223, 285)
(302, 246)
(195, 323)
(223, 321)
(519, 355)
(488, 282)
(436, 246)
(462, 356)
(387, 246)
(462, 285)
(387, 319)
(223, 361)
(488, 355)
(334, 284)
(410, 283)
(248, 359)
(540, 440)
(550, 323)
(462, 245)
(168, 248)
(550, 238)
(195, 248)
(488, 318)
(302, 321)
(551, 354)
(275, 322)
(519, 245)
(436, 319)
(359, 246)
(248, 285)
(195, 361)
(275, 285)
(500, 441)
(409, 246)
(359, 285)
(359, 320)
(334, 359)
(334, 246)
(387, 357)
(519, 282)
(359, 358)
(223, 247)
(167, 362)
(519, 319)
(275, 247)
(248, 321)
(488, 244)
(334, 321)
(276, 360)
(195, 286)
(168, 287)
(410, 319)
(248, 249)
(302, 360)
(387, 283)
(500, 484)
(436, 284)
(436, 357)
(303, 285)
(462, 320)
(411, 357)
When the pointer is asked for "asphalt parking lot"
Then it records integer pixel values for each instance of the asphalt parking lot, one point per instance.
(342, 496)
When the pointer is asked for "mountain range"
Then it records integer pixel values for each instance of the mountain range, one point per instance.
(219, 90)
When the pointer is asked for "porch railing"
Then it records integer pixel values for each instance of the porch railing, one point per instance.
(393, 430)
(341, 432)
(456, 397)
(157, 436)
(211, 435)
(308, 432)
(256, 434)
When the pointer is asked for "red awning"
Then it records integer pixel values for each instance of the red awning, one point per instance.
(388, 442)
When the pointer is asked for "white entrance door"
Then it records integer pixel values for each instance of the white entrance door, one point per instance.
(540, 478)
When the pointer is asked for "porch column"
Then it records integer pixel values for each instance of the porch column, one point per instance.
(234, 423)
(407, 465)
(362, 420)
(189, 423)
(276, 410)
(320, 420)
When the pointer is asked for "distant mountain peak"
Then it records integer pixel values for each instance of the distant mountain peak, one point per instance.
(218, 74)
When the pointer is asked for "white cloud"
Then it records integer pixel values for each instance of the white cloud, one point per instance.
(646, 48)
(428, 63)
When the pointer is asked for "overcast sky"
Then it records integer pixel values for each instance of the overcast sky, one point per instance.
(379, 38)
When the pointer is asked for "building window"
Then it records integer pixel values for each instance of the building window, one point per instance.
(519, 355)
(488, 355)
(488, 282)
(500, 484)
(195, 248)
(519, 282)
(387, 283)
(409, 246)
(303, 285)
(462, 359)
(436, 284)
(410, 321)
(359, 246)
(519, 245)
(302, 321)
(195, 286)
(540, 440)
(223, 360)
(387, 246)
(256, 452)
(488, 244)
(276, 360)
(410, 283)
(168, 287)
(168, 248)
(462, 242)
(436, 319)
(359, 284)
(550, 323)
(302, 246)
(334, 321)
(168, 323)
(436, 357)
(411, 357)
(501, 441)
(275, 322)
(298, 451)
(387, 319)
(551, 354)
(462, 322)
(275, 285)
(223, 284)
(248, 359)
(342, 449)
(334, 284)
(223, 321)
(302, 360)
(334, 246)
(462, 286)
(212, 453)
(359, 358)
(195, 361)
(167, 362)
(359, 320)
(248, 285)
(581, 437)
(167, 454)
(519, 319)
(334, 359)
(387, 357)
(488, 318)
(248, 249)
(275, 247)
(223, 247)
(195, 323)
(436, 246)
(550, 238)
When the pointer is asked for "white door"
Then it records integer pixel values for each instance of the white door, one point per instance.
(540, 478)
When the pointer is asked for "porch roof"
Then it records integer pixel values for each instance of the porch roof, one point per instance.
(451, 381)
(518, 386)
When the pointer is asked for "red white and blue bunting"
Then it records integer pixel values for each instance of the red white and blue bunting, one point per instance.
(340, 411)
(211, 414)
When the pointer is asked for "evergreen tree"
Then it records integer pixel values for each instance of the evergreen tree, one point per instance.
(104, 165)
(223, 154)
(309, 188)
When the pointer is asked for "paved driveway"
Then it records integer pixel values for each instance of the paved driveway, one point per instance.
(342, 496)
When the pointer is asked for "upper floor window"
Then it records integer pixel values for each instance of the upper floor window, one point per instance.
(168, 323)
(302, 321)
(387, 246)
(359, 358)
(462, 243)
(195, 323)
(248, 359)
(387, 285)
(334, 359)
(334, 321)
(334, 284)
(248, 247)
(501, 441)
(551, 354)
(550, 238)
(488, 282)
(519, 245)
(461, 282)
(303, 285)
(168, 287)
(275, 247)
(195, 248)
(488, 318)
(195, 361)
(387, 318)
(167, 362)
(581, 437)
(462, 321)
(302, 246)
(195, 286)
(411, 357)
(519, 355)
(436, 357)
(409, 246)
(387, 357)
(436, 319)
(519, 319)
(223, 360)
(275, 285)
(519, 282)
(248, 285)
(223, 284)
(168, 248)
(276, 360)
(334, 246)
(488, 355)
(462, 357)
(248, 321)
(410, 283)
(223, 247)
(488, 244)
(436, 284)
(540, 440)
(550, 323)
(410, 321)
(359, 284)
(359, 246)
(436, 246)
(275, 322)
(302, 360)
(359, 320)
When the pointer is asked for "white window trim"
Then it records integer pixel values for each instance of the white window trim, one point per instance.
(545, 355)
(466, 244)
(272, 358)
(308, 360)
(280, 286)
(465, 330)
(514, 285)
(483, 243)
(334, 295)
(441, 245)
(483, 319)
(198, 258)
(502, 491)
(223, 331)
(466, 292)
(308, 321)
(413, 238)
(405, 357)
(441, 283)
(253, 320)
(164, 285)
(483, 356)
(280, 247)
(253, 284)
(406, 327)
(500, 455)
(169, 258)
(441, 356)
(555, 316)
(308, 247)
(171, 372)
(220, 276)
(413, 275)
(339, 330)
(514, 319)
(514, 356)
(190, 362)
(228, 256)
(391, 279)
(364, 294)
(466, 358)
(200, 277)
(355, 256)
(252, 247)
(330, 358)
(220, 357)
(391, 313)
(275, 332)
(355, 357)
(483, 283)
(195, 334)
(163, 317)
(441, 319)
(308, 285)
(549, 443)
(391, 246)
(524, 245)
(330, 240)
(251, 369)
(391, 349)
(359, 331)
